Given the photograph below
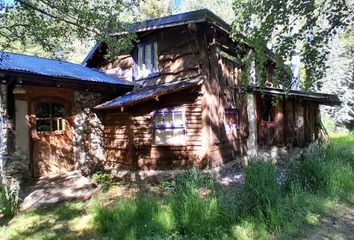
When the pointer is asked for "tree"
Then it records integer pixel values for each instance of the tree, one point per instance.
(56, 28)
(222, 8)
(285, 26)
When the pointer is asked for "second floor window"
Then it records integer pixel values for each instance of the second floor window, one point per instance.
(147, 62)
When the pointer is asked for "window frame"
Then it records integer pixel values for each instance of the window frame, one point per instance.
(230, 127)
(153, 43)
(260, 100)
(164, 127)
(51, 118)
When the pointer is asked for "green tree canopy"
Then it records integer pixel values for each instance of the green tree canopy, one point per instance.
(46, 27)
(285, 26)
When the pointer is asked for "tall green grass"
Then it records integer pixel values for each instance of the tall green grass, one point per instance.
(199, 208)
(9, 201)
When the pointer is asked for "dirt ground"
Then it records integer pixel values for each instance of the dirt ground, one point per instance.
(338, 224)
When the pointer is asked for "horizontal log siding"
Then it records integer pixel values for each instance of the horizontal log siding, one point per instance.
(145, 155)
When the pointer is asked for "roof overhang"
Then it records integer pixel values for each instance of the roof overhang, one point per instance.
(150, 92)
(320, 98)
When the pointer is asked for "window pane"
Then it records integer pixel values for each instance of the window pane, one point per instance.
(178, 137)
(140, 57)
(58, 124)
(266, 110)
(161, 136)
(58, 110)
(43, 110)
(178, 119)
(148, 63)
(43, 125)
(158, 120)
(168, 117)
(156, 58)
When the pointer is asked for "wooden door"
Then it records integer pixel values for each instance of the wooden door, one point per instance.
(51, 137)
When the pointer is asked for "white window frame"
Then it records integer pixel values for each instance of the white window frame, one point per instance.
(174, 127)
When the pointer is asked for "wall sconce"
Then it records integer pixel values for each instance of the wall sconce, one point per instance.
(19, 90)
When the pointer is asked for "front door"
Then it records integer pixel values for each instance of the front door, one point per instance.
(51, 137)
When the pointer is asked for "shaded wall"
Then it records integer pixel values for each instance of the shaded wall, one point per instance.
(296, 124)
(128, 136)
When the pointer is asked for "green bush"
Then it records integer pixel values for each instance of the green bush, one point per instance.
(9, 201)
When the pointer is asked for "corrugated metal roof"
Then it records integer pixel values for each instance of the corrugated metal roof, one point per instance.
(147, 93)
(179, 19)
(321, 98)
(19, 63)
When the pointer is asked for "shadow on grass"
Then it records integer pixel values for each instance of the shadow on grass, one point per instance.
(53, 223)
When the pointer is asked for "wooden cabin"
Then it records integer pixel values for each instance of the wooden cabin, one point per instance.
(190, 108)
(175, 101)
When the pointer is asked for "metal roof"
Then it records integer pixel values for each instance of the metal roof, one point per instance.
(149, 92)
(321, 98)
(19, 63)
(179, 19)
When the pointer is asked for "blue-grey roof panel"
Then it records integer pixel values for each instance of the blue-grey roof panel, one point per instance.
(20, 63)
(149, 92)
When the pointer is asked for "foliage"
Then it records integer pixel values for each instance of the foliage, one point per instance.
(61, 26)
(9, 201)
(284, 26)
(103, 179)
(221, 8)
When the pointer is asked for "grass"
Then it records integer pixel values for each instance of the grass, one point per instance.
(195, 206)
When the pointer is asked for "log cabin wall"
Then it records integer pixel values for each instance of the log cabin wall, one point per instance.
(128, 136)
(295, 124)
(178, 53)
(223, 91)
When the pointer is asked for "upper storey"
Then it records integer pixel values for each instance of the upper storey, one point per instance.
(169, 48)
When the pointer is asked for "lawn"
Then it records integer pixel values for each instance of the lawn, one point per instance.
(196, 206)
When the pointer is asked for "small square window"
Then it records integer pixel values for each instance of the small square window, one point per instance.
(232, 119)
(169, 127)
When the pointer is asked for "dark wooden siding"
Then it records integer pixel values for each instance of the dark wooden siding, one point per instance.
(295, 124)
(129, 136)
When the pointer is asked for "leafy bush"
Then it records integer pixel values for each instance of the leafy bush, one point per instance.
(9, 201)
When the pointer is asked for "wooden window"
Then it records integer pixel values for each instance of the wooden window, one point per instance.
(147, 62)
(50, 116)
(169, 127)
(266, 110)
(232, 119)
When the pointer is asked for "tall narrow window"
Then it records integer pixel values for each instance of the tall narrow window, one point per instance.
(50, 116)
(232, 119)
(169, 127)
(147, 62)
